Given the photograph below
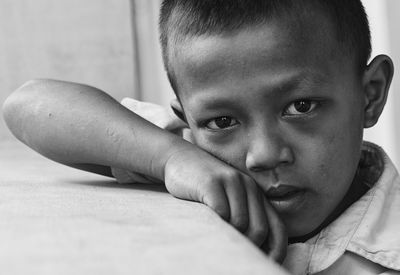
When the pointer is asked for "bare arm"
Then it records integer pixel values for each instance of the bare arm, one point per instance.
(85, 128)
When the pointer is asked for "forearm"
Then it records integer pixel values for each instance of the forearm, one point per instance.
(77, 124)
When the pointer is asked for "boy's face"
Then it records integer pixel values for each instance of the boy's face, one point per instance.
(282, 104)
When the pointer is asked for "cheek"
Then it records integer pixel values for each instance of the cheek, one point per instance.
(330, 154)
(337, 162)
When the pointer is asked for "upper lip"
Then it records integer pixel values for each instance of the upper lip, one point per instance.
(281, 191)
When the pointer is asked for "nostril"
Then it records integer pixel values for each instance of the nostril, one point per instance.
(256, 169)
(285, 162)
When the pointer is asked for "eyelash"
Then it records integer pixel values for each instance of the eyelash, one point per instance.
(313, 105)
(215, 127)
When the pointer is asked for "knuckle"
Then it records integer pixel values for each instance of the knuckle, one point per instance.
(219, 207)
(210, 187)
(222, 211)
(209, 180)
(259, 234)
(230, 175)
(240, 222)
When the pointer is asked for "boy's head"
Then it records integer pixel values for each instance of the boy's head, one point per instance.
(181, 20)
(280, 90)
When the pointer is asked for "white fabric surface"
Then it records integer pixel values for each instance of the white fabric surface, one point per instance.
(59, 220)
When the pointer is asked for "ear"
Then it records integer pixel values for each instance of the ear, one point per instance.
(178, 109)
(376, 82)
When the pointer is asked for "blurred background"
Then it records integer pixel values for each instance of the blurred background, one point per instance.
(113, 45)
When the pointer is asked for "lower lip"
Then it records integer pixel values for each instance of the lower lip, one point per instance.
(288, 203)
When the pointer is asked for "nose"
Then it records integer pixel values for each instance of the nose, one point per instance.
(267, 150)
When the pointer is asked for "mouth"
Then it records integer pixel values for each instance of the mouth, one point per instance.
(285, 198)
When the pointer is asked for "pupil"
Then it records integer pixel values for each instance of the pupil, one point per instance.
(302, 106)
(223, 122)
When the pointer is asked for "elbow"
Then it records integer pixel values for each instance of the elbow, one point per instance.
(10, 108)
(16, 103)
(14, 100)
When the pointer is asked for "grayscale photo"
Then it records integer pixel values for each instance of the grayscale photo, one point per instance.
(204, 137)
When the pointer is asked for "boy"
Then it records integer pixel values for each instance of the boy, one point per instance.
(276, 94)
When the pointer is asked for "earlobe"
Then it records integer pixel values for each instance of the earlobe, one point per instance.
(376, 82)
(178, 109)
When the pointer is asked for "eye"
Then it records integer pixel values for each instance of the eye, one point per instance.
(301, 107)
(221, 123)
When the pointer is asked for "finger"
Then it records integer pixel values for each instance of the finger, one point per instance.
(258, 224)
(214, 197)
(277, 241)
(239, 214)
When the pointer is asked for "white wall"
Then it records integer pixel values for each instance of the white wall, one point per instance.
(86, 41)
(154, 84)
(383, 16)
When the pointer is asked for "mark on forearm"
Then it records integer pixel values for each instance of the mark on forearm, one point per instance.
(115, 137)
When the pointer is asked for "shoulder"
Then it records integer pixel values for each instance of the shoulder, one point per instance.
(350, 263)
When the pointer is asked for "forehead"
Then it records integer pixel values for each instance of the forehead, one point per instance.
(304, 43)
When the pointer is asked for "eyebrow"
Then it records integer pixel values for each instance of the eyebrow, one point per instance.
(280, 88)
(299, 81)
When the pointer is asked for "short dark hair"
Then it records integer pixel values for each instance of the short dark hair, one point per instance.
(190, 18)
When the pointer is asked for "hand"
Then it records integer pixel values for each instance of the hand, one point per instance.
(193, 174)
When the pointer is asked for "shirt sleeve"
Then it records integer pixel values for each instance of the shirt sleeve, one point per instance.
(159, 116)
